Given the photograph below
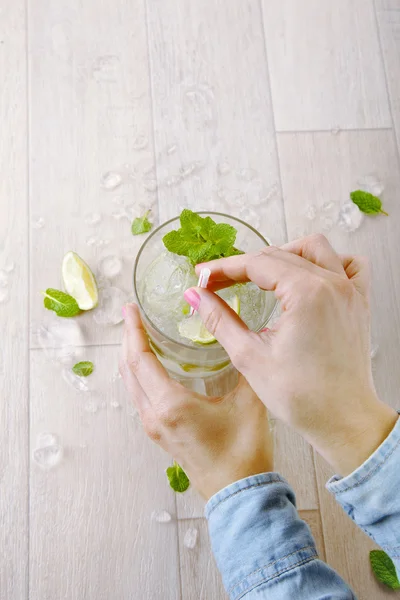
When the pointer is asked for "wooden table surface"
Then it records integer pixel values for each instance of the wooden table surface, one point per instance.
(253, 108)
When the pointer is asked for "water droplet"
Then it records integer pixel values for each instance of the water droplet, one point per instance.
(328, 206)
(250, 216)
(190, 539)
(109, 311)
(223, 168)
(9, 267)
(78, 383)
(140, 142)
(102, 282)
(111, 180)
(247, 174)
(46, 439)
(106, 69)
(38, 223)
(115, 377)
(172, 149)
(92, 218)
(327, 223)
(335, 130)
(91, 407)
(47, 457)
(4, 295)
(172, 180)
(310, 212)
(161, 516)
(3, 279)
(110, 266)
(118, 200)
(350, 217)
(372, 184)
(91, 241)
(115, 404)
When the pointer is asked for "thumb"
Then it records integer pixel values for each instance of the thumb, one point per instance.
(222, 322)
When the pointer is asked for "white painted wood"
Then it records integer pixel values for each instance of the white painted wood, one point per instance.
(212, 112)
(313, 520)
(323, 168)
(325, 65)
(14, 307)
(90, 113)
(388, 14)
(346, 546)
(200, 577)
(91, 527)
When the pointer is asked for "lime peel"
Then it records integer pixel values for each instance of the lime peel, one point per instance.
(194, 329)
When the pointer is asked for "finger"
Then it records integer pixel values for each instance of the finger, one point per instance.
(357, 270)
(140, 360)
(223, 323)
(316, 249)
(267, 269)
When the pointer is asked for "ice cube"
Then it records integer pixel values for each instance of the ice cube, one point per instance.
(3, 279)
(111, 180)
(47, 457)
(61, 340)
(109, 310)
(46, 439)
(161, 516)
(372, 184)
(110, 266)
(92, 218)
(190, 539)
(310, 212)
(80, 384)
(350, 217)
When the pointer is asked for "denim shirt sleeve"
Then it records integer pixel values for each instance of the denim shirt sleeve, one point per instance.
(371, 495)
(262, 547)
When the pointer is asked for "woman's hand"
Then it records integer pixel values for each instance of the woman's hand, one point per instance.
(313, 368)
(216, 440)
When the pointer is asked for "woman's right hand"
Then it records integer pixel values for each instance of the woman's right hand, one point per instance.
(312, 369)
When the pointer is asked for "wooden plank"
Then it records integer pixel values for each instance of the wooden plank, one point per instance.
(14, 307)
(313, 519)
(323, 168)
(200, 577)
(347, 547)
(294, 460)
(325, 65)
(90, 114)
(92, 530)
(388, 14)
(213, 123)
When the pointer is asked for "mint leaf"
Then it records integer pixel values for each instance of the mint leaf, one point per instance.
(384, 569)
(367, 203)
(141, 224)
(63, 304)
(83, 369)
(201, 239)
(177, 478)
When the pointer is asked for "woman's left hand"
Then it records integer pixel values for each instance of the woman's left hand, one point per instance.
(216, 440)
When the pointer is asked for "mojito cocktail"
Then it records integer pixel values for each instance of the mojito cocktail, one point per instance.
(161, 277)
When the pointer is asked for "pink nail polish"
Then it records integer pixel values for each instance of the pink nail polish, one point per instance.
(124, 312)
(192, 298)
(265, 329)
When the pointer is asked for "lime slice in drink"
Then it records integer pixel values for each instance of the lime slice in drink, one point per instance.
(193, 329)
(79, 281)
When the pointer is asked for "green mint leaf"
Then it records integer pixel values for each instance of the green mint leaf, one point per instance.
(201, 239)
(367, 203)
(177, 478)
(63, 304)
(141, 224)
(191, 221)
(384, 569)
(83, 369)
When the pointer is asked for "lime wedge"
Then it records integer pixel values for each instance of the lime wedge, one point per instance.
(193, 329)
(79, 281)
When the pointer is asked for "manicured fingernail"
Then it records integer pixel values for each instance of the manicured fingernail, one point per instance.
(124, 312)
(265, 329)
(192, 298)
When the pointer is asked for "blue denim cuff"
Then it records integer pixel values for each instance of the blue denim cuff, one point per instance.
(256, 533)
(372, 467)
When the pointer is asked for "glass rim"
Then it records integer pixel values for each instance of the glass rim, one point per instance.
(135, 267)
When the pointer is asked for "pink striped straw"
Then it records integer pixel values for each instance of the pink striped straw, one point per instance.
(203, 282)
